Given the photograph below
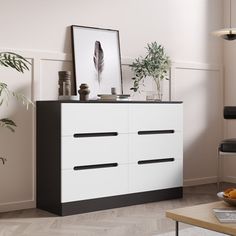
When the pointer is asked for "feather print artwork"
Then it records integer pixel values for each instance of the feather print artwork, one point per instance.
(98, 59)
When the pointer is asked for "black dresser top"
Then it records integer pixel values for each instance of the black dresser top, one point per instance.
(111, 101)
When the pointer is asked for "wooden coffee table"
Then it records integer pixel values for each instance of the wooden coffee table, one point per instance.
(201, 216)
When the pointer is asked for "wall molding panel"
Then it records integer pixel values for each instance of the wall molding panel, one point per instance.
(201, 88)
(45, 66)
(193, 66)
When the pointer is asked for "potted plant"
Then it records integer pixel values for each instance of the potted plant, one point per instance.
(20, 64)
(154, 65)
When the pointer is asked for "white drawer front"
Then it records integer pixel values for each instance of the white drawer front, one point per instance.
(149, 117)
(148, 177)
(155, 146)
(93, 150)
(93, 183)
(93, 118)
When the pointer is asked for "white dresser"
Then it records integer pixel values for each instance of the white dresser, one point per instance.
(99, 155)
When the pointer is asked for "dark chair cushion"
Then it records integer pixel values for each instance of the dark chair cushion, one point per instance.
(229, 112)
(228, 145)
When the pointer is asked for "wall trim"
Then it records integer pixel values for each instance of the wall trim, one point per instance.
(196, 66)
(61, 56)
(14, 206)
(43, 55)
(229, 179)
(183, 65)
(37, 56)
(208, 180)
(200, 181)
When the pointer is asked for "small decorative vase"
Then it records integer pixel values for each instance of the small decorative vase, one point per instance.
(64, 83)
(84, 92)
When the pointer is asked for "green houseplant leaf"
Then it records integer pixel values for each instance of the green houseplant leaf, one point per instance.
(15, 61)
(7, 123)
(155, 65)
(20, 64)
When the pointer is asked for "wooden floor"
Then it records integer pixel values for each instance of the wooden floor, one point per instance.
(139, 220)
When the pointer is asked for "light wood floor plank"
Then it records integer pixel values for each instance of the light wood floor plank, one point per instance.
(139, 220)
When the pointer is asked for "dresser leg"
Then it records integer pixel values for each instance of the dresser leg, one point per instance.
(176, 228)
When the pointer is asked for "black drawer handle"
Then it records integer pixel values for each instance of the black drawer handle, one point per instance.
(87, 135)
(107, 165)
(145, 132)
(142, 162)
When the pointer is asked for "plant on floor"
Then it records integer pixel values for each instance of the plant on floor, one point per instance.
(155, 65)
(20, 64)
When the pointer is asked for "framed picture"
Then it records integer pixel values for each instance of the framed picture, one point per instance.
(97, 60)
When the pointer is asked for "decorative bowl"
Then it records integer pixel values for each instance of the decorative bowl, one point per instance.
(231, 202)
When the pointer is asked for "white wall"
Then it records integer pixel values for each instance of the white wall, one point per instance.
(40, 31)
(183, 26)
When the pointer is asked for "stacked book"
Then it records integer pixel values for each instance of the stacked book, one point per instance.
(225, 215)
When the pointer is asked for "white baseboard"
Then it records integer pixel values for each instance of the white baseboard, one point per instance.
(14, 206)
(200, 181)
(208, 180)
(229, 179)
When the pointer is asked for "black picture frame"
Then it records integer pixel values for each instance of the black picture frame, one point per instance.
(96, 59)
